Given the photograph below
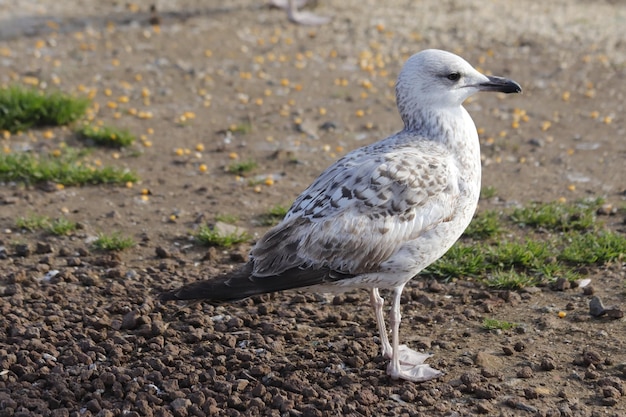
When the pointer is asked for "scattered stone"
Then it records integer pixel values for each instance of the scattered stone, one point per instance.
(526, 372)
(43, 248)
(512, 297)
(180, 405)
(225, 229)
(73, 261)
(130, 320)
(484, 407)
(517, 404)
(519, 346)
(508, 350)
(614, 313)
(547, 364)
(366, 397)
(328, 126)
(471, 381)
(591, 357)
(162, 253)
(612, 381)
(436, 287)
(308, 127)
(596, 308)
(488, 361)
(23, 250)
(606, 209)
(530, 393)
(589, 290)
(240, 254)
(562, 284)
(211, 254)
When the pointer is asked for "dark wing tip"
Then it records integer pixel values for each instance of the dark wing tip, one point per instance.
(168, 296)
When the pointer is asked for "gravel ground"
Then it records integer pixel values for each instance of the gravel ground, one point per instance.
(81, 331)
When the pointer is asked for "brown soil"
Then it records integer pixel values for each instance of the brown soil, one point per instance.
(81, 331)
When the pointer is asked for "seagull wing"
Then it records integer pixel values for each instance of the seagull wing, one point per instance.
(362, 209)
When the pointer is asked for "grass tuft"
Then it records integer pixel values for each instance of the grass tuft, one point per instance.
(113, 242)
(460, 261)
(211, 237)
(22, 108)
(106, 136)
(226, 218)
(59, 227)
(484, 225)
(528, 254)
(240, 168)
(62, 226)
(510, 280)
(590, 248)
(543, 242)
(494, 324)
(488, 192)
(273, 216)
(67, 169)
(242, 128)
(557, 216)
(32, 222)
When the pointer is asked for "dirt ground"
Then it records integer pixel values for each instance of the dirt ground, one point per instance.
(81, 331)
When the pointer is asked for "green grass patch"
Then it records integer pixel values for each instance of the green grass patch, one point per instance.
(494, 324)
(67, 169)
(240, 168)
(226, 218)
(510, 280)
(242, 128)
(62, 226)
(273, 216)
(22, 108)
(484, 225)
(488, 192)
(558, 216)
(210, 237)
(106, 136)
(527, 254)
(460, 261)
(543, 242)
(34, 222)
(113, 242)
(594, 248)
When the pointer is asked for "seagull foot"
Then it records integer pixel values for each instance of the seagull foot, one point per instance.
(414, 373)
(410, 357)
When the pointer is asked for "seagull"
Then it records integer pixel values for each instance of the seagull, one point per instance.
(382, 213)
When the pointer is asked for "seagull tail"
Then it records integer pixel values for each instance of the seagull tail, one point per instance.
(232, 286)
(241, 284)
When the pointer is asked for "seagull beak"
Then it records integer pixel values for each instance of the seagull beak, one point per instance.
(502, 85)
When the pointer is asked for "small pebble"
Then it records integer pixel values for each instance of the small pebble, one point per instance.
(596, 309)
(614, 313)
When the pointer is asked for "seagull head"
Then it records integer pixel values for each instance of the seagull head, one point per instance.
(438, 79)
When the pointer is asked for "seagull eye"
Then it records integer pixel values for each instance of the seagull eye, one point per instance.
(454, 76)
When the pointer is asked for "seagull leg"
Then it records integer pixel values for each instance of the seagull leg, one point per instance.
(406, 363)
(377, 303)
(300, 17)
